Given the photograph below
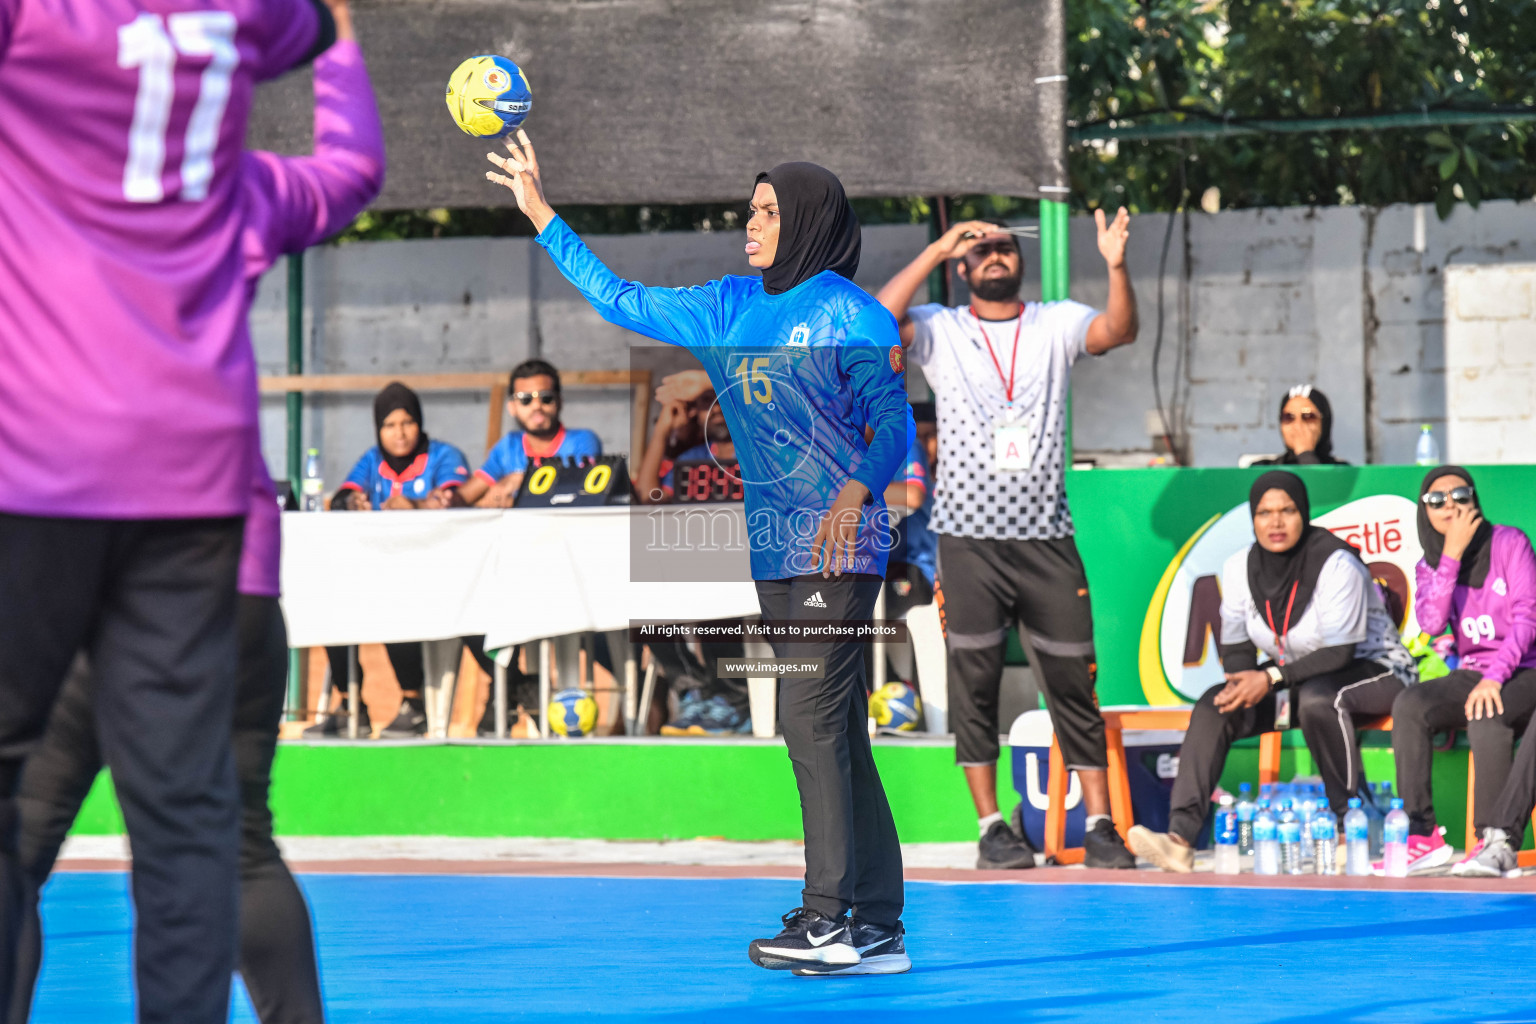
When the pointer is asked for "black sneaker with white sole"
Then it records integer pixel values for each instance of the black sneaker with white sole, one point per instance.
(809, 937)
(1103, 847)
(1003, 849)
(409, 723)
(881, 951)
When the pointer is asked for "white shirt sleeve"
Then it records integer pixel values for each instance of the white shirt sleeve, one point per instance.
(1342, 601)
(1234, 599)
(1068, 323)
(922, 348)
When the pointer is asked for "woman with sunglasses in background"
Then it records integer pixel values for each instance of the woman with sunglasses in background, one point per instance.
(1306, 426)
(534, 403)
(1480, 580)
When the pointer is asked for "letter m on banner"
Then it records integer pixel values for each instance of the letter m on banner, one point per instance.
(1204, 620)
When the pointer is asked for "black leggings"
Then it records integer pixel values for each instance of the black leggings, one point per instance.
(1439, 704)
(404, 658)
(1325, 707)
(277, 949)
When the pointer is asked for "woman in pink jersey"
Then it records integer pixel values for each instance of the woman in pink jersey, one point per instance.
(1480, 581)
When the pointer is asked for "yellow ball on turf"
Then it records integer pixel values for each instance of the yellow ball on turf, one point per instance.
(488, 96)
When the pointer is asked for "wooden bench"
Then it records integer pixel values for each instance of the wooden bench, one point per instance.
(1116, 721)
(637, 382)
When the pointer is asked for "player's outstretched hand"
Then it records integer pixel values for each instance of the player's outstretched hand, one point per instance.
(520, 169)
(1113, 237)
(838, 535)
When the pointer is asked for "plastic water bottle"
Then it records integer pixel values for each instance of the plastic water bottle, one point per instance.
(1306, 811)
(1384, 801)
(314, 483)
(1325, 843)
(1289, 834)
(1357, 839)
(1394, 842)
(1245, 809)
(1266, 841)
(1427, 451)
(1228, 860)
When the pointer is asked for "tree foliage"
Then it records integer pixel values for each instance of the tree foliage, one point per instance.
(1303, 59)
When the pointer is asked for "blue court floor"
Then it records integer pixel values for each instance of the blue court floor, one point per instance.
(471, 949)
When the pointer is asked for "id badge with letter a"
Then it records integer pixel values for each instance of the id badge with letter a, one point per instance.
(1013, 447)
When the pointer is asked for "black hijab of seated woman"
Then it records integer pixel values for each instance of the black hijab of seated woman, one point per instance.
(1281, 582)
(1306, 405)
(818, 230)
(398, 396)
(1476, 559)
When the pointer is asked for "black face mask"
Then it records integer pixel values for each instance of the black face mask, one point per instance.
(1475, 561)
(398, 396)
(817, 227)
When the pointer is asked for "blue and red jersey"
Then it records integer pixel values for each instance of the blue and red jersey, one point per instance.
(519, 450)
(912, 541)
(441, 465)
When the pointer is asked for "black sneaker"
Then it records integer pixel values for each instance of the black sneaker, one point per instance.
(1003, 849)
(1103, 847)
(334, 726)
(809, 937)
(881, 951)
(410, 722)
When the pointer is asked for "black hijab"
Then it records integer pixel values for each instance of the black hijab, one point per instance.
(1475, 560)
(1324, 449)
(1273, 576)
(817, 227)
(398, 396)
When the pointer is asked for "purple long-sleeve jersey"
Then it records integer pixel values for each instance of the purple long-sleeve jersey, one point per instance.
(1495, 624)
(292, 203)
(132, 228)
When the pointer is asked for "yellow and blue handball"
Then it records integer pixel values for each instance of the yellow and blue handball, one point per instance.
(572, 713)
(489, 96)
(895, 706)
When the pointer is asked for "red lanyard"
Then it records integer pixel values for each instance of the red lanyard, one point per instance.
(1285, 629)
(1013, 360)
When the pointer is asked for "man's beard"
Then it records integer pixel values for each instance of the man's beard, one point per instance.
(998, 289)
(546, 432)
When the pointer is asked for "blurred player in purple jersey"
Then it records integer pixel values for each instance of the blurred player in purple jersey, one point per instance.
(133, 228)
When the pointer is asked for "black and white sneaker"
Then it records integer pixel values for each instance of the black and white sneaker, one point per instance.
(1103, 847)
(809, 937)
(1003, 849)
(409, 723)
(881, 951)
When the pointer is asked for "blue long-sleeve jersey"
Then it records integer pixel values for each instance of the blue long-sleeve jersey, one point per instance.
(798, 376)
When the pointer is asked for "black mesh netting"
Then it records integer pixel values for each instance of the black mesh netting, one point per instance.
(679, 101)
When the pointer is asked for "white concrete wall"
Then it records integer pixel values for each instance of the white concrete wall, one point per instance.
(1490, 357)
(1347, 298)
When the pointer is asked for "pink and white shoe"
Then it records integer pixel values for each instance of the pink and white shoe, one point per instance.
(1424, 853)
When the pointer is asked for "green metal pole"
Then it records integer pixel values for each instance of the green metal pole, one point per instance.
(295, 436)
(1055, 256)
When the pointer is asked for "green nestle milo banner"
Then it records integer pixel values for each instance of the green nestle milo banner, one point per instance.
(1155, 541)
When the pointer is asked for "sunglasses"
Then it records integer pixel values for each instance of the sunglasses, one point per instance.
(1305, 417)
(1437, 499)
(542, 397)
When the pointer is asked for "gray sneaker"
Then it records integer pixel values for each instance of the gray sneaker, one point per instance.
(1491, 858)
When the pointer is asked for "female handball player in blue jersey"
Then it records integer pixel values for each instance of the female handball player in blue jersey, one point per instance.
(802, 360)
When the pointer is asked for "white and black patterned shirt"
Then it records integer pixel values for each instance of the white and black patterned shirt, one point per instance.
(972, 498)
